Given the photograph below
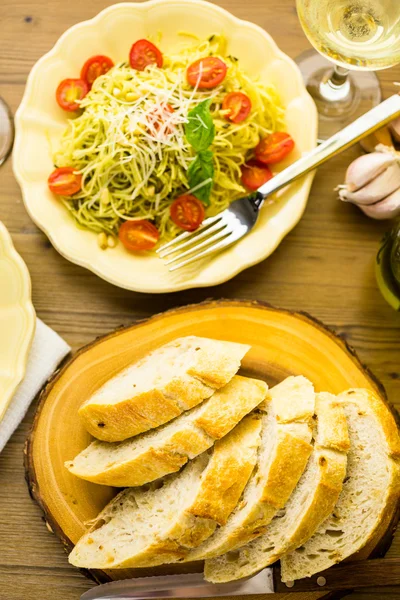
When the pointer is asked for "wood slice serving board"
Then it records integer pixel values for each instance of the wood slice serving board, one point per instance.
(283, 344)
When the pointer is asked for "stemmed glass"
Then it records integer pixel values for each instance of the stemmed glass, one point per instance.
(6, 131)
(358, 37)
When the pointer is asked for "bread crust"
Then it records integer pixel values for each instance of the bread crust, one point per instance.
(150, 464)
(367, 402)
(332, 424)
(330, 470)
(294, 399)
(226, 476)
(382, 414)
(214, 364)
(223, 407)
(220, 415)
(215, 369)
(392, 437)
(116, 422)
(292, 454)
(286, 465)
(197, 522)
(324, 499)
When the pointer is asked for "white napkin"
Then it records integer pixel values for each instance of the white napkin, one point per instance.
(47, 351)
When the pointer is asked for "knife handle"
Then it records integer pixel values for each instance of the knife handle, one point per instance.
(346, 576)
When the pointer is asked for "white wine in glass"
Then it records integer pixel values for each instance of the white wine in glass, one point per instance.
(358, 36)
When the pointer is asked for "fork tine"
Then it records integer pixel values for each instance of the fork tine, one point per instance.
(209, 241)
(227, 241)
(187, 234)
(193, 240)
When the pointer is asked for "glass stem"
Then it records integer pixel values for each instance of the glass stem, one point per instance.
(335, 86)
(339, 76)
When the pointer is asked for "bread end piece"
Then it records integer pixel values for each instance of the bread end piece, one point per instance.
(172, 379)
(370, 492)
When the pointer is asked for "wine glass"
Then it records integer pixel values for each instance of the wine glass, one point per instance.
(359, 37)
(6, 131)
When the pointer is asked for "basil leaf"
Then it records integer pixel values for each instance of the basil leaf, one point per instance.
(200, 128)
(201, 169)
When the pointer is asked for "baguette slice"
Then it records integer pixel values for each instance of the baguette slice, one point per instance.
(158, 388)
(285, 448)
(311, 503)
(157, 453)
(370, 491)
(149, 527)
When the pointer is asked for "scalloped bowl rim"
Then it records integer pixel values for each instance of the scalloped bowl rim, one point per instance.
(20, 359)
(188, 283)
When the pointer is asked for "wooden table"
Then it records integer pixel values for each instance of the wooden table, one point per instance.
(325, 267)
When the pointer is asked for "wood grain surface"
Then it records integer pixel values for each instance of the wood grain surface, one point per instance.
(325, 267)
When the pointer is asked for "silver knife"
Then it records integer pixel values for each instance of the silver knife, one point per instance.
(345, 576)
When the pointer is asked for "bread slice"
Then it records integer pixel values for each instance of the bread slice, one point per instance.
(285, 448)
(370, 491)
(226, 476)
(158, 388)
(311, 503)
(148, 527)
(154, 454)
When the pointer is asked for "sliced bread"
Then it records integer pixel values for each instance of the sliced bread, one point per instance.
(154, 454)
(370, 491)
(158, 388)
(311, 503)
(148, 527)
(284, 451)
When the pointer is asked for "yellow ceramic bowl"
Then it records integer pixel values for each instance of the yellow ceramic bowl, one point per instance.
(39, 121)
(17, 319)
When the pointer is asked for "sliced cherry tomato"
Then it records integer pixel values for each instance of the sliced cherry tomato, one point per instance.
(187, 212)
(64, 182)
(138, 235)
(144, 53)
(206, 73)
(94, 67)
(69, 91)
(158, 118)
(274, 148)
(255, 174)
(239, 106)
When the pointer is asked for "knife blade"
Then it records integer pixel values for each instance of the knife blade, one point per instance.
(191, 585)
(360, 574)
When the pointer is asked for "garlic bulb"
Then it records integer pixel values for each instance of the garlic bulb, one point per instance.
(365, 168)
(377, 189)
(389, 208)
(373, 183)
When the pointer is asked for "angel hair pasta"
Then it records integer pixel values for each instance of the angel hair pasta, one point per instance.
(130, 143)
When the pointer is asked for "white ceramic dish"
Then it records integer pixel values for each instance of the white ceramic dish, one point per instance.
(112, 32)
(17, 319)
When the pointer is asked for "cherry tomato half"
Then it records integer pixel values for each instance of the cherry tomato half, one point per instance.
(187, 212)
(144, 53)
(239, 106)
(255, 174)
(69, 91)
(274, 148)
(159, 117)
(206, 73)
(138, 235)
(94, 67)
(64, 182)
